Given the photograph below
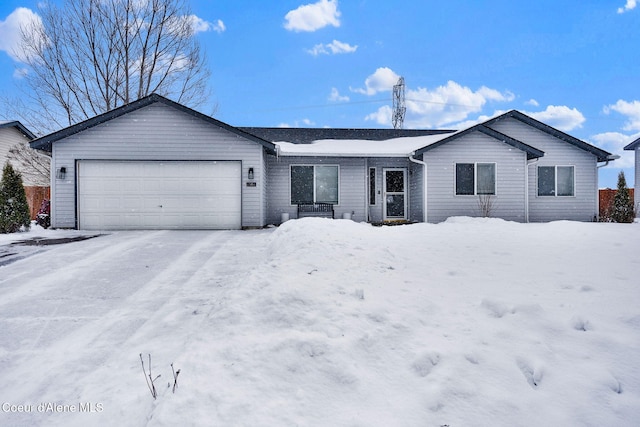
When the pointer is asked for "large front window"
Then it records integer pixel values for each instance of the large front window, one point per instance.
(556, 181)
(475, 179)
(314, 184)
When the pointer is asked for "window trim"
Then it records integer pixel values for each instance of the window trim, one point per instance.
(291, 166)
(475, 179)
(555, 180)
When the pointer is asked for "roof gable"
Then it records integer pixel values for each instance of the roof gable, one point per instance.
(45, 142)
(532, 152)
(635, 144)
(19, 126)
(602, 155)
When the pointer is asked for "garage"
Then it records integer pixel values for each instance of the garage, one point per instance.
(134, 195)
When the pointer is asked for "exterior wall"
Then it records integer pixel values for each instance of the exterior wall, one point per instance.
(413, 203)
(637, 181)
(155, 132)
(9, 137)
(352, 192)
(509, 201)
(581, 207)
(416, 192)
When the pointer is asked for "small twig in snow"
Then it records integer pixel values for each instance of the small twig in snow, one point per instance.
(150, 381)
(175, 377)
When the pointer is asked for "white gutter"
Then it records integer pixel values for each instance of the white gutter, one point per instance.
(424, 185)
(609, 159)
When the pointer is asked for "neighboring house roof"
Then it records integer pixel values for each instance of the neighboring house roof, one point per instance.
(532, 152)
(19, 126)
(602, 155)
(44, 143)
(635, 144)
(309, 135)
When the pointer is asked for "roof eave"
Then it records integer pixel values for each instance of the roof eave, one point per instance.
(45, 143)
(532, 152)
(23, 129)
(635, 144)
(601, 154)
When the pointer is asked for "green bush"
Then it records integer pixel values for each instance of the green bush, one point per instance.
(14, 209)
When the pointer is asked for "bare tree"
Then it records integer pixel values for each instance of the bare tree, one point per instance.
(33, 165)
(86, 57)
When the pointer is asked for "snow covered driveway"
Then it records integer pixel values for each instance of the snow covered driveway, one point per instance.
(77, 309)
(471, 322)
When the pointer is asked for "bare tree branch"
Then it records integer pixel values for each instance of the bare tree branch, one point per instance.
(86, 57)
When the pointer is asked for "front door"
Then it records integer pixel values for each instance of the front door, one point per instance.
(395, 197)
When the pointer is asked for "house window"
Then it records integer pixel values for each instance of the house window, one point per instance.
(556, 181)
(372, 186)
(475, 179)
(314, 184)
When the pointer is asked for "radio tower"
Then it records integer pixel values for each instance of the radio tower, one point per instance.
(398, 104)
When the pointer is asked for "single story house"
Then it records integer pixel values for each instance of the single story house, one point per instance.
(635, 147)
(13, 134)
(156, 164)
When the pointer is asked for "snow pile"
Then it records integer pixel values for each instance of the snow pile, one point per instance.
(331, 322)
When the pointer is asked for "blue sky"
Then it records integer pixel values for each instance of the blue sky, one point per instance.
(574, 65)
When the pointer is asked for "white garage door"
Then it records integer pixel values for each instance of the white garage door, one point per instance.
(121, 195)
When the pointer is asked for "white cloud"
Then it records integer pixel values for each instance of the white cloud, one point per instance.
(219, 26)
(445, 106)
(382, 116)
(614, 142)
(199, 25)
(10, 38)
(20, 73)
(629, 109)
(560, 117)
(312, 17)
(532, 102)
(336, 97)
(382, 80)
(631, 4)
(448, 104)
(298, 123)
(335, 47)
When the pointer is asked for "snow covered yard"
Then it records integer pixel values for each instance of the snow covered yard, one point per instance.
(472, 322)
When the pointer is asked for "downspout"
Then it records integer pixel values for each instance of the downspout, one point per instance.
(424, 184)
(526, 188)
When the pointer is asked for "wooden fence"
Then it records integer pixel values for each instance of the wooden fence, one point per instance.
(35, 196)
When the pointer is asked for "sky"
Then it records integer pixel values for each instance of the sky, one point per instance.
(574, 65)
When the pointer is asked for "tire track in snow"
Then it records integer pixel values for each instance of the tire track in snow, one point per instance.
(106, 336)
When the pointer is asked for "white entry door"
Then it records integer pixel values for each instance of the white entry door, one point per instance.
(121, 195)
(395, 197)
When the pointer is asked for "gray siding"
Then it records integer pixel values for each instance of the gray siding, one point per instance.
(581, 207)
(352, 181)
(381, 163)
(442, 202)
(155, 132)
(10, 137)
(637, 182)
(416, 192)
